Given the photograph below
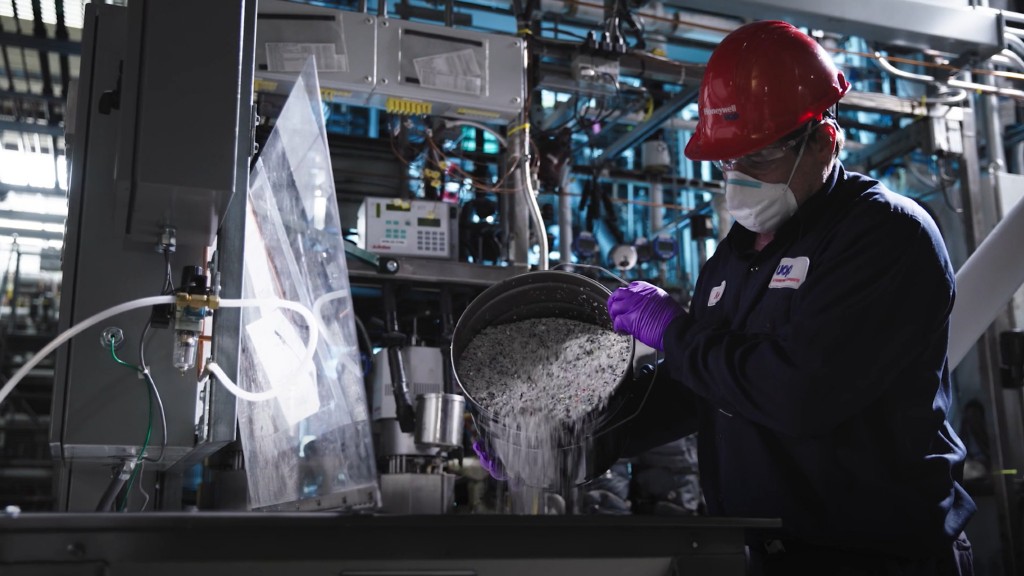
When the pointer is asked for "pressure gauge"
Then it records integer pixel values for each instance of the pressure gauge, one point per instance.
(584, 245)
(644, 251)
(664, 247)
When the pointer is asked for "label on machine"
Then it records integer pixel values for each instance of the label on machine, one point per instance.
(455, 71)
(291, 56)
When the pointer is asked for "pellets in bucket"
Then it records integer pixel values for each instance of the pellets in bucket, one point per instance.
(540, 378)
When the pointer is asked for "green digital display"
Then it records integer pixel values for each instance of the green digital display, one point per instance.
(429, 222)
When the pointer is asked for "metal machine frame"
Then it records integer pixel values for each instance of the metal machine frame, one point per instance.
(213, 544)
(96, 417)
(99, 407)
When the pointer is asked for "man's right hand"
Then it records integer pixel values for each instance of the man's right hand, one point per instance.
(644, 311)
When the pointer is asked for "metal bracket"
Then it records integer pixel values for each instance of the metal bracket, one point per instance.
(932, 134)
(645, 129)
(383, 264)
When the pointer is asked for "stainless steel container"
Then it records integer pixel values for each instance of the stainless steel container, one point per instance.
(439, 419)
(600, 436)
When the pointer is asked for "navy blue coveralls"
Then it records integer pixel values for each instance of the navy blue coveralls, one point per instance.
(815, 373)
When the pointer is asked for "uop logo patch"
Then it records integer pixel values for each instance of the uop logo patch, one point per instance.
(791, 273)
(716, 294)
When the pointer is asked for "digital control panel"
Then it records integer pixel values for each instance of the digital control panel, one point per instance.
(408, 227)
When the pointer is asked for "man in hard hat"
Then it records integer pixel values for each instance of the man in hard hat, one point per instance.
(812, 360)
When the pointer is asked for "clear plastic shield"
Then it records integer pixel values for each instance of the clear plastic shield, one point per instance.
(310, 447)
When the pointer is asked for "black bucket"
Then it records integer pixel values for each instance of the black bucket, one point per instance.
(598, 438)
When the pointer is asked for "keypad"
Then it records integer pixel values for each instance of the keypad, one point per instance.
(394, 234)
(431, 241)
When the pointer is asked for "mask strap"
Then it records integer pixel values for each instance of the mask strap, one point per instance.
(800, 154)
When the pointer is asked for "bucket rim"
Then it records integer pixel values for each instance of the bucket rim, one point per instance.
(593, 423)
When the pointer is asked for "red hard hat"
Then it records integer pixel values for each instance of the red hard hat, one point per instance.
(765, 80)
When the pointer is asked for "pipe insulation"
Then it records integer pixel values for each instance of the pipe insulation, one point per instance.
(986, 283)
(657, 200)
(565, 215)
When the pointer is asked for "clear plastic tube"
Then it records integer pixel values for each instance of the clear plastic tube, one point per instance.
(314, 338)
(217, 372)
(74, 331)
(318, 306)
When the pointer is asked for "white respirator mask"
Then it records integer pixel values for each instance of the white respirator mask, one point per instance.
(760, 206)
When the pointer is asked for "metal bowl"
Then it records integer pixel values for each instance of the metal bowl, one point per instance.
(592, 444)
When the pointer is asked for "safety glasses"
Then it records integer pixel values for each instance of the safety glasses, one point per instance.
(765, 158)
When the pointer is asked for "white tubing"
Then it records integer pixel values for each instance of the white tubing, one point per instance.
(314, 335)
(74, 331)
(479, 126)
(307, 358)
(230, 386)
(986, 283)
(564, 216)
(318, 306)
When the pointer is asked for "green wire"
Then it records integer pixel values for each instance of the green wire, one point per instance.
(138, 460)
(149, 430)
(113, 353)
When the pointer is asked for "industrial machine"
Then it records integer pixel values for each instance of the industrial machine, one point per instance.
(413, 479)
(334, 187)
(145, 197)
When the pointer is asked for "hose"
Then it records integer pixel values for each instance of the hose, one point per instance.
(479, 126)
(314, 338)
(314, 335)
(74, 331)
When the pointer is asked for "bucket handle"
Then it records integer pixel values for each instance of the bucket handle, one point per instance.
(591, 267)
(643, 402)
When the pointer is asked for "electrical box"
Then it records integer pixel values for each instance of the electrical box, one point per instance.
(595, 69)
(408, 68)
(343, 43)
(185, 109)
(408, 227)
(430, 69)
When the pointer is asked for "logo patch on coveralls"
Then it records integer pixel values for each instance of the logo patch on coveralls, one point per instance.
(791, 273)
(716, 294)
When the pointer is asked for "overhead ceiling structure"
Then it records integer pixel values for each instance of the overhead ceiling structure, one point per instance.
(952, 27)
(39, 48)
(40, 44)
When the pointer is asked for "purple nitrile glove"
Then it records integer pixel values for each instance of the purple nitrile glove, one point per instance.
(492, 465)
(644, 311)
